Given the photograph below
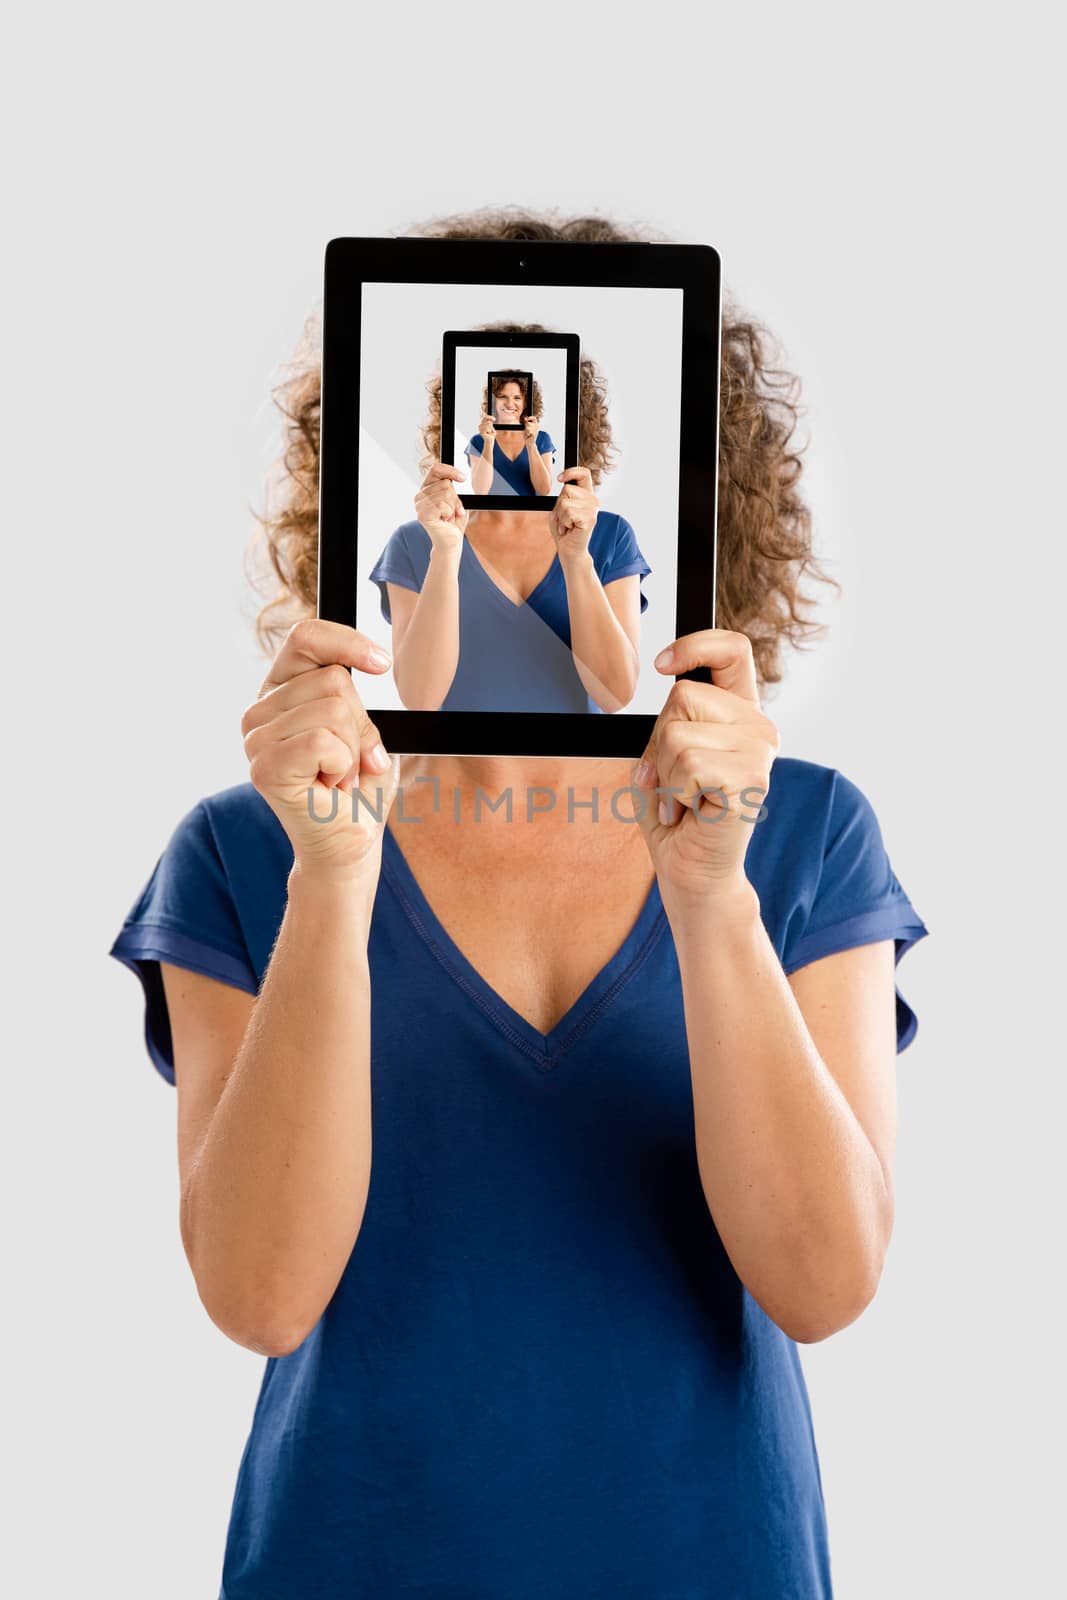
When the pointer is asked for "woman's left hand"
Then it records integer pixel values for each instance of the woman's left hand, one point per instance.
(573, 517)
(714, 746)
(532, 426)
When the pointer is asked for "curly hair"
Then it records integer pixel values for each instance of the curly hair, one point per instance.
(595, 449)
(764, 524)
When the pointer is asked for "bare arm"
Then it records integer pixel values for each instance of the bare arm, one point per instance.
(794, 1106)
(481, 473)
(793, 1079)
(426, 624)
(604, 632)
(274, 1093)
(275, 1125)
(481, 462)
(540, 469)
(426, 633)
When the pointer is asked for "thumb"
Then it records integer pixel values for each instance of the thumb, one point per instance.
(378, 791)
(643, 797)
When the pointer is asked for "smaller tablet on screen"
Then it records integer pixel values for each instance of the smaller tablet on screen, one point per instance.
(515, 368)
(542, 408)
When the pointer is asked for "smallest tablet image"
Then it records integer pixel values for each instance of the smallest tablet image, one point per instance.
(509, 413)
(509, 399)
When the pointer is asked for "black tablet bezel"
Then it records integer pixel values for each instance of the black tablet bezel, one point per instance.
(496, 340)
(351, 262)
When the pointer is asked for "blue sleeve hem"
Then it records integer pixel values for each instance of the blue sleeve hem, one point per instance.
(381, 579)
(141, 947)
(379, 576)
(640, 568)
(887, 922)
(162, 941)
(900, 923)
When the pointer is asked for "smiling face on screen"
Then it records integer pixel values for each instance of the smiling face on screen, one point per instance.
(509, 401)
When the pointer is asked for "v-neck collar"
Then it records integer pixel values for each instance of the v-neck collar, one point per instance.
(513, 461)
(543, 1049)
(510, 462)
(512, 605)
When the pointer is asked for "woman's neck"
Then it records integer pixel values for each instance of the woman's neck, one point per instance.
(511, 444)
(509, 527)
(457, 778)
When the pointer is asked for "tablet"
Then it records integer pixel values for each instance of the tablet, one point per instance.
(512, 362)
(509, 399)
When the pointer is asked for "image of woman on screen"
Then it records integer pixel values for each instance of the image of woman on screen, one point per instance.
(510, 462)
(516, 610)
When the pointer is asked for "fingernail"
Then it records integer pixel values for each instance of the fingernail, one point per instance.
(378, 657)
(663, 812)
(643, 774)
(377, 758)
(665, 657)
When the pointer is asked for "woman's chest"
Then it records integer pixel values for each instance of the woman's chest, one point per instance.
(516, 570)
(537, 927)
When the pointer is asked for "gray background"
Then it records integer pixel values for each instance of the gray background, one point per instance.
(635, 338)
(884, 192)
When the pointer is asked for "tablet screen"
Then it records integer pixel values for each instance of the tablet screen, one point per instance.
(514, 384)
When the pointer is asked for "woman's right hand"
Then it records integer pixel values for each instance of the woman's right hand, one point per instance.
(439, 508)
(487, 430)
(307, 734)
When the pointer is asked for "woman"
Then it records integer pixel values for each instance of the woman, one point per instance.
(511, 462)
(630, 1085)
(516, 610)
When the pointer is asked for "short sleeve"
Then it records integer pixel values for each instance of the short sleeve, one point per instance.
(544, 445)
(857, 898)
(625, 559)
(394, 565)
(184, 915)
(475, 447)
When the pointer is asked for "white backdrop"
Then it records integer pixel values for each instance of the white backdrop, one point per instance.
(880, 185)
(635, 338)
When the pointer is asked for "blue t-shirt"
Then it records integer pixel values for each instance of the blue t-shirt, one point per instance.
(512, 657)
(512, 477)
(539, 1375)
